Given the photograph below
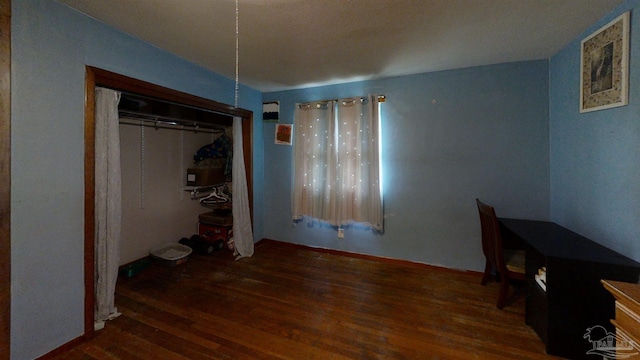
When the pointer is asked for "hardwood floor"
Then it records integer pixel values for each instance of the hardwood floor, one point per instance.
(292, 302)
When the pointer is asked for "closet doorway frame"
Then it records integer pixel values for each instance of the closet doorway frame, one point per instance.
(99, 77)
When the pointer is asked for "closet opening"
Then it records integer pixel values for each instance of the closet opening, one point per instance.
(150, 106)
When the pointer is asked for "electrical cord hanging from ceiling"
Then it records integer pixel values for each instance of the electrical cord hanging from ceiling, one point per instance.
(237, 89)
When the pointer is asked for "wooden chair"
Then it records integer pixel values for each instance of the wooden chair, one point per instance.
(508, 264)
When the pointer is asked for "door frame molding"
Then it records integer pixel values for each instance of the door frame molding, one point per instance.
(5, 178)
(99, 77)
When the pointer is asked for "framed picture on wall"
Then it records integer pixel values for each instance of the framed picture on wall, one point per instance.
(604, 66)
(271, 111)
(283, 134)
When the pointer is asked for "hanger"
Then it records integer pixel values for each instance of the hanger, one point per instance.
(217, 196)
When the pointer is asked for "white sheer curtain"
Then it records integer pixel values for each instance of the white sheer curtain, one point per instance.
(242, 233)
(315, 162)
(108, 204)
(337, 162)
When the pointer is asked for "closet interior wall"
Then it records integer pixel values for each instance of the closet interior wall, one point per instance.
(155, 208)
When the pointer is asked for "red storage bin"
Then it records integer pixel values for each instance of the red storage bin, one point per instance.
(214, 233)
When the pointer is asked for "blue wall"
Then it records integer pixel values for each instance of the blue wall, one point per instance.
(51, 45)
(449, 137)
(595, 157)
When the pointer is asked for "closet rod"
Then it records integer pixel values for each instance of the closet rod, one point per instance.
(152, 99)
(128, 118)
(168, 120)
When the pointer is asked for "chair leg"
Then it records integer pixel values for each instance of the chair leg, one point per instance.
(487, 273)
(504, 291)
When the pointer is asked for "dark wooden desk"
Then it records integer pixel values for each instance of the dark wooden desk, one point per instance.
(574, 299)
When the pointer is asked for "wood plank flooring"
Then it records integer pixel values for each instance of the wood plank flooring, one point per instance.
(292, 302)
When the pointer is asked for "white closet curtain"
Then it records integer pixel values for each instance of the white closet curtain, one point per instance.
(108, 204)
(242, 233)
(337, 162)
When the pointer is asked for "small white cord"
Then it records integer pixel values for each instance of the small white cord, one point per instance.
(237, 90)
(181, 169)
(141, 165)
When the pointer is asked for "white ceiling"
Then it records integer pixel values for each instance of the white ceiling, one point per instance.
(286, 44)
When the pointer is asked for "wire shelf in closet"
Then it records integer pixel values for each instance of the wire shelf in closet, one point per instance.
(198, 192)
(163, 122)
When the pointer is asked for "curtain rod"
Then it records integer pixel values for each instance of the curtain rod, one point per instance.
(381, 98)
(133, 118)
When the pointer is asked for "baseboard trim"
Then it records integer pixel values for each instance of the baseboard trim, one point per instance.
(366, 256)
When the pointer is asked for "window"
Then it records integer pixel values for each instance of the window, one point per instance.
(337, 177)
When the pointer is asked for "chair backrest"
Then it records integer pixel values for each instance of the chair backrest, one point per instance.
(491, 237)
